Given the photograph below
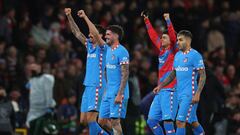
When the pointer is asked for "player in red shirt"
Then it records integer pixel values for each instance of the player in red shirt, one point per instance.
(164, 105)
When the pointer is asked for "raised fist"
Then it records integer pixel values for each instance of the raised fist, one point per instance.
(81, 13)
(166, 16)
(144, 14)
(67, 11)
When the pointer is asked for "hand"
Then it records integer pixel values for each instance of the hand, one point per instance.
(166, 16)
(196, 98)
(118, 99)
(144, 14)
(157, 89)
(67, 11)
(81, 14)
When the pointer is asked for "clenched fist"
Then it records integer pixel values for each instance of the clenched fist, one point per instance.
(81, 14)
(67, 11)
(166, 16)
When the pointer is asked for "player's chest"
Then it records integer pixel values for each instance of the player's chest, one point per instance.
(184, 60)
(112, 57)
(93, 53)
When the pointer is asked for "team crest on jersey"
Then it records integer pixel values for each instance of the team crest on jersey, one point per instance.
(113, 56)
(185, 60)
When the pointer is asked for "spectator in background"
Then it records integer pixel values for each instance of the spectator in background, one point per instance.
(41, 98)
(67, 114)
(7, 116)
(7, 24)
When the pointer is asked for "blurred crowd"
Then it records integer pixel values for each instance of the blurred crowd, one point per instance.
(38, 31)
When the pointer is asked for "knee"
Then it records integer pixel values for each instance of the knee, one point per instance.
(195, 124)
(115, 122)
(152, 122)
(180, 124)
(91, 116)
(102, 122)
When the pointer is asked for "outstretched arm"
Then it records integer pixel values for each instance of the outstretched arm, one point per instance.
(167, 81)
(74, 28)
(171, 31)
(155, 38)
(91, 27)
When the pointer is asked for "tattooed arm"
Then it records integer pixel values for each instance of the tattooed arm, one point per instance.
(167, 81)
(74, 28)
(124, 80)
(201, 83)
(92, 28)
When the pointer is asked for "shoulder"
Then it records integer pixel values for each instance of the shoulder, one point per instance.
(195, 53)
(123, 49)
(48, 77)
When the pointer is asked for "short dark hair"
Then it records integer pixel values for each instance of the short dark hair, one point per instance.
(165, 32)
(116, 29)
(185, 33)
(100, 29)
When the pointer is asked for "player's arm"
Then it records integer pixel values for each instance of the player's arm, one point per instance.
(167, 81)
(91, 27)
(201, 83)
(74, 28)
(171, 31)
(124, 79)
(155, 38)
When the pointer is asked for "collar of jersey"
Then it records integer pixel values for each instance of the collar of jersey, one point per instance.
(115, 48)
(187, 51)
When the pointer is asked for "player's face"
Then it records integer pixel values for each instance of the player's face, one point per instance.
(165, 40)
(110, 37)
(182, 42)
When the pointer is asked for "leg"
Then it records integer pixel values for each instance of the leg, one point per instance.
(93, 108)
(106, 124)
(181, 127)
(117, 111)
(155, 115)
(185, 108)
(116, 125)
(83, 118)
(84, 105)
(169, 109)
(196, 127)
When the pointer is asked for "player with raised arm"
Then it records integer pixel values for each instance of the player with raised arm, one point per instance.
(188, 64)
(164, 105)
(94, 79)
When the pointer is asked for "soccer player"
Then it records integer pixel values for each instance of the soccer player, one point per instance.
(188, 64)
(114, 103)
(164, 105)
(94, 79)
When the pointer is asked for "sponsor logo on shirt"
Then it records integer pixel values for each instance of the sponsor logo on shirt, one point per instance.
(91, 55)
(185, 60)
(181, 68)
(111, 66)
(113, 56)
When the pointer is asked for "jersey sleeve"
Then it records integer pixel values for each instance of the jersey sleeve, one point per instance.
(175, 62)
(123, 57)
(155, 38)
(88, 44)
(172, 36)
(198, 62)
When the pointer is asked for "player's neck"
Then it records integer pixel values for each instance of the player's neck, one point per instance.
(187, 49)
(115, 44)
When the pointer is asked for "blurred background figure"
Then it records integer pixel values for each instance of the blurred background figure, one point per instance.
(7, 115)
